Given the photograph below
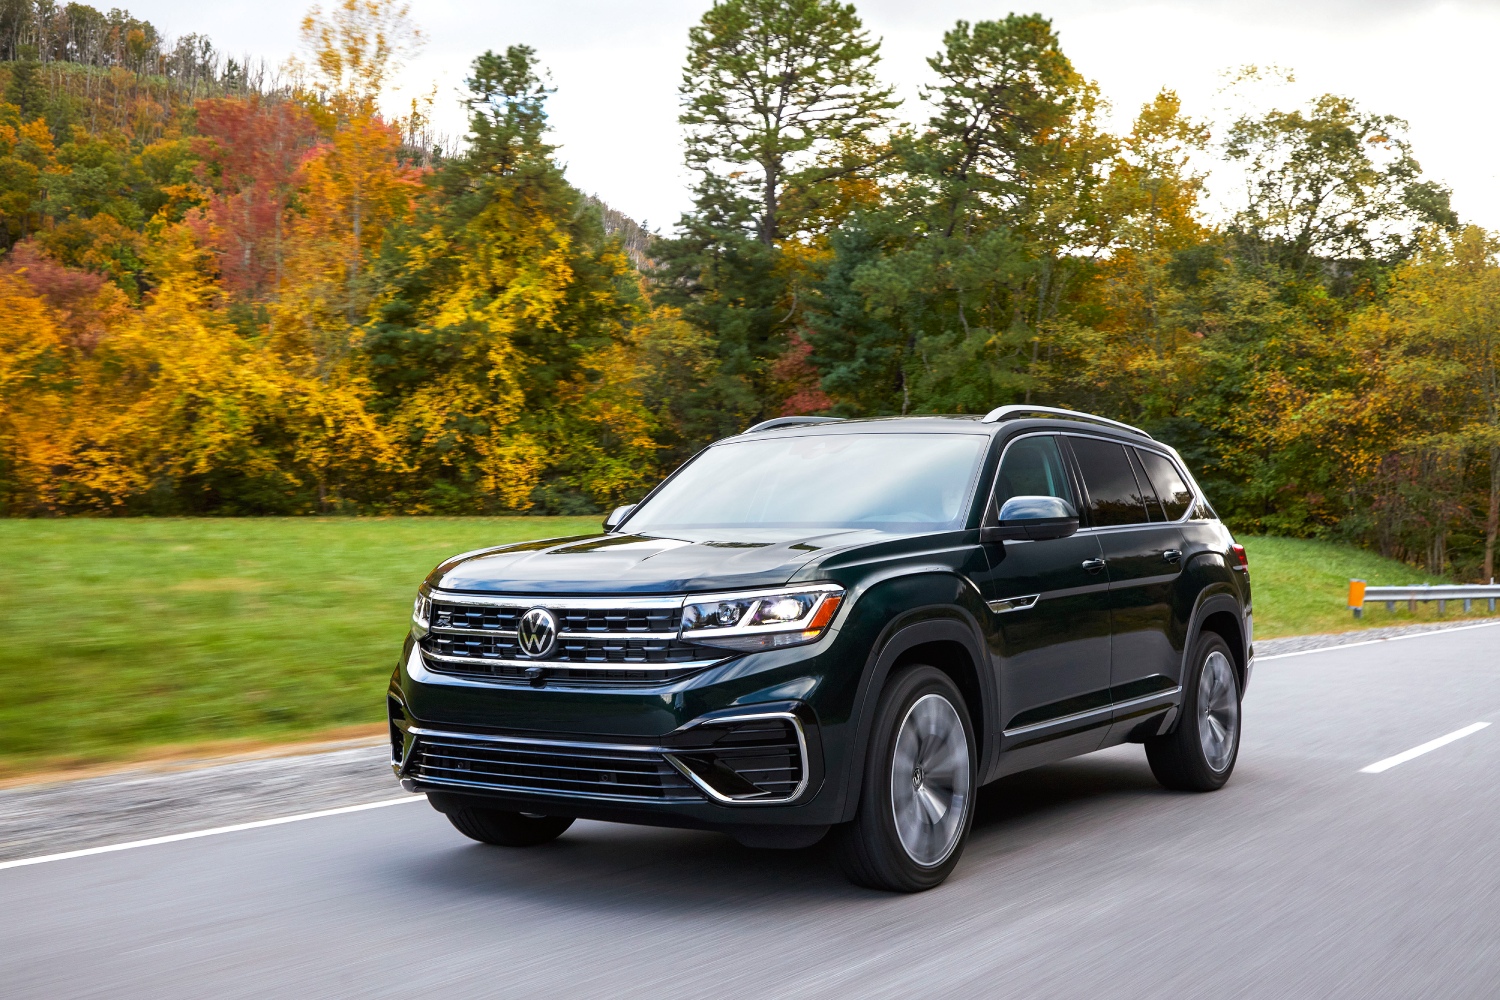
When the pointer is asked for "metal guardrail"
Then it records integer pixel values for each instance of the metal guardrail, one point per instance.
(1360, 595)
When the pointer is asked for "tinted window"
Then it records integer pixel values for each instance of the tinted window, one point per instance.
(891, 482)
(1033, 467)
(1114, 495)
(1153, 504)
(1174, 494)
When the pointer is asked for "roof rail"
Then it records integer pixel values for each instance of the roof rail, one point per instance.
(1000, 413)
(775, 422)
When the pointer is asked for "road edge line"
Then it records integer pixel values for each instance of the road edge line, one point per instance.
(172, 838)
(1401, 758)
(1372, 642)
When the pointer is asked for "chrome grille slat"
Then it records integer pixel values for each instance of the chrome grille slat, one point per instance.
(549, 767)
(631, 641)
(452, 750)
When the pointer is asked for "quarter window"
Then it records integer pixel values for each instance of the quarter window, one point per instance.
(1174, 494)
(1114, 495)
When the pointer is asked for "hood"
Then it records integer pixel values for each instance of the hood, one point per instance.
(640, 564)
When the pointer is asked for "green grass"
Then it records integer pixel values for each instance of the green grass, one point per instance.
(1301, 587)
(118, 637)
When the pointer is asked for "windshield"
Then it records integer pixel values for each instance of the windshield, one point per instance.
(903, 483)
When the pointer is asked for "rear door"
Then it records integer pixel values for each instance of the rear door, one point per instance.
(1143, 553)
(1050, 606)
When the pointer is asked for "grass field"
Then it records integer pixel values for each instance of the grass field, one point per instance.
(117, 636)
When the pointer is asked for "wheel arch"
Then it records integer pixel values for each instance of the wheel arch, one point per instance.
(1220, 613)
(948, 638)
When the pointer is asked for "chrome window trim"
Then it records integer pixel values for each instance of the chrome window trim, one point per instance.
(1161, 449)
(984, 517)
(725, 800)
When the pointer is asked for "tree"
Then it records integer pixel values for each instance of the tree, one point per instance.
(252, 152)
(782, 109)
(992, 215)
(1436, 347)
(520, 315)
(787, 89)
(1331, 183)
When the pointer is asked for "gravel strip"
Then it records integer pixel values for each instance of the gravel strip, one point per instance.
(1302, 643)
(151, 802)
(137, 804)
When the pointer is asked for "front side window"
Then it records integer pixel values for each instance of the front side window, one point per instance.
(1033, 467)
(901, 483)
(1114, 495)
(1174, 493)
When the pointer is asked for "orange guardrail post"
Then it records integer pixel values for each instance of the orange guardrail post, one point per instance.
(1357, 597)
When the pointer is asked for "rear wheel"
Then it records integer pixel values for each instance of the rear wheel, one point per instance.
(1199, 755)
(918, 798)
(507, 829)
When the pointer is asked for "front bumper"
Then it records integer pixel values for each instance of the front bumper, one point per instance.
(743, 743)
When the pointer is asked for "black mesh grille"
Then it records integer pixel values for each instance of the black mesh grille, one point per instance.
(615, 772)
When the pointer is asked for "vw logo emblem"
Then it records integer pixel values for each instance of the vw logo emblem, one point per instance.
(537, 633)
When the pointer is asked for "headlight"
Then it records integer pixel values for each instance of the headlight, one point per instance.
(765, 620)
(421, 610)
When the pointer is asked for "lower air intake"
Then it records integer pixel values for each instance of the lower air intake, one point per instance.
(743, 760)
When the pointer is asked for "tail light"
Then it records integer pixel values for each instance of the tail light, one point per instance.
(1241, 560)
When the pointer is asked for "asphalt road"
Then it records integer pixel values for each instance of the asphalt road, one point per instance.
(1303, 878)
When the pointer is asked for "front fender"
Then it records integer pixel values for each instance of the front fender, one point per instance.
(936, 607)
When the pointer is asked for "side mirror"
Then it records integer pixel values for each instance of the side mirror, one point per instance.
(616, 516)
(1033, 519)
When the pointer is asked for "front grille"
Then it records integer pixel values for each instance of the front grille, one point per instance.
(743, 760)
(619, 645)
(579, 769)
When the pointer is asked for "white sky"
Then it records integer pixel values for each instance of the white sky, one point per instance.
(616, 65)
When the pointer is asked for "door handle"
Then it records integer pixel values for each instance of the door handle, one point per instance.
(1093, 565)
(1172, 555)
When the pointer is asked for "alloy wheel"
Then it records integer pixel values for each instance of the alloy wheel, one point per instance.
(1218, 711)
(930, 780)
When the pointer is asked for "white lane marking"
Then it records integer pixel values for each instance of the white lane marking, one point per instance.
(1372, 642)
(213, 832)
(1406, 755)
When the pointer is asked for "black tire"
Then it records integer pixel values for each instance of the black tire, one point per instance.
(507, 829)
(1196, 756)
(870, 849)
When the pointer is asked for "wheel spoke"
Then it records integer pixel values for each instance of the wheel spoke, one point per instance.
(930, 779)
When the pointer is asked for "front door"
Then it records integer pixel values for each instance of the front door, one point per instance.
(1049, 602)
(1143, 552)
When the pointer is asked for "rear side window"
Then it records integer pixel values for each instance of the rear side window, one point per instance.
(1173, 492)
(1114, 495)
(1153, 505)
(1033, 467)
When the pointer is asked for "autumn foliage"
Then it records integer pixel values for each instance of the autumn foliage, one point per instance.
(225, 296)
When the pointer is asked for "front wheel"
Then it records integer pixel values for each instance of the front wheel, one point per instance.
(1199, 755)
(918, 798)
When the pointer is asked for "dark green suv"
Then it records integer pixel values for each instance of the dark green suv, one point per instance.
(835, 628)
